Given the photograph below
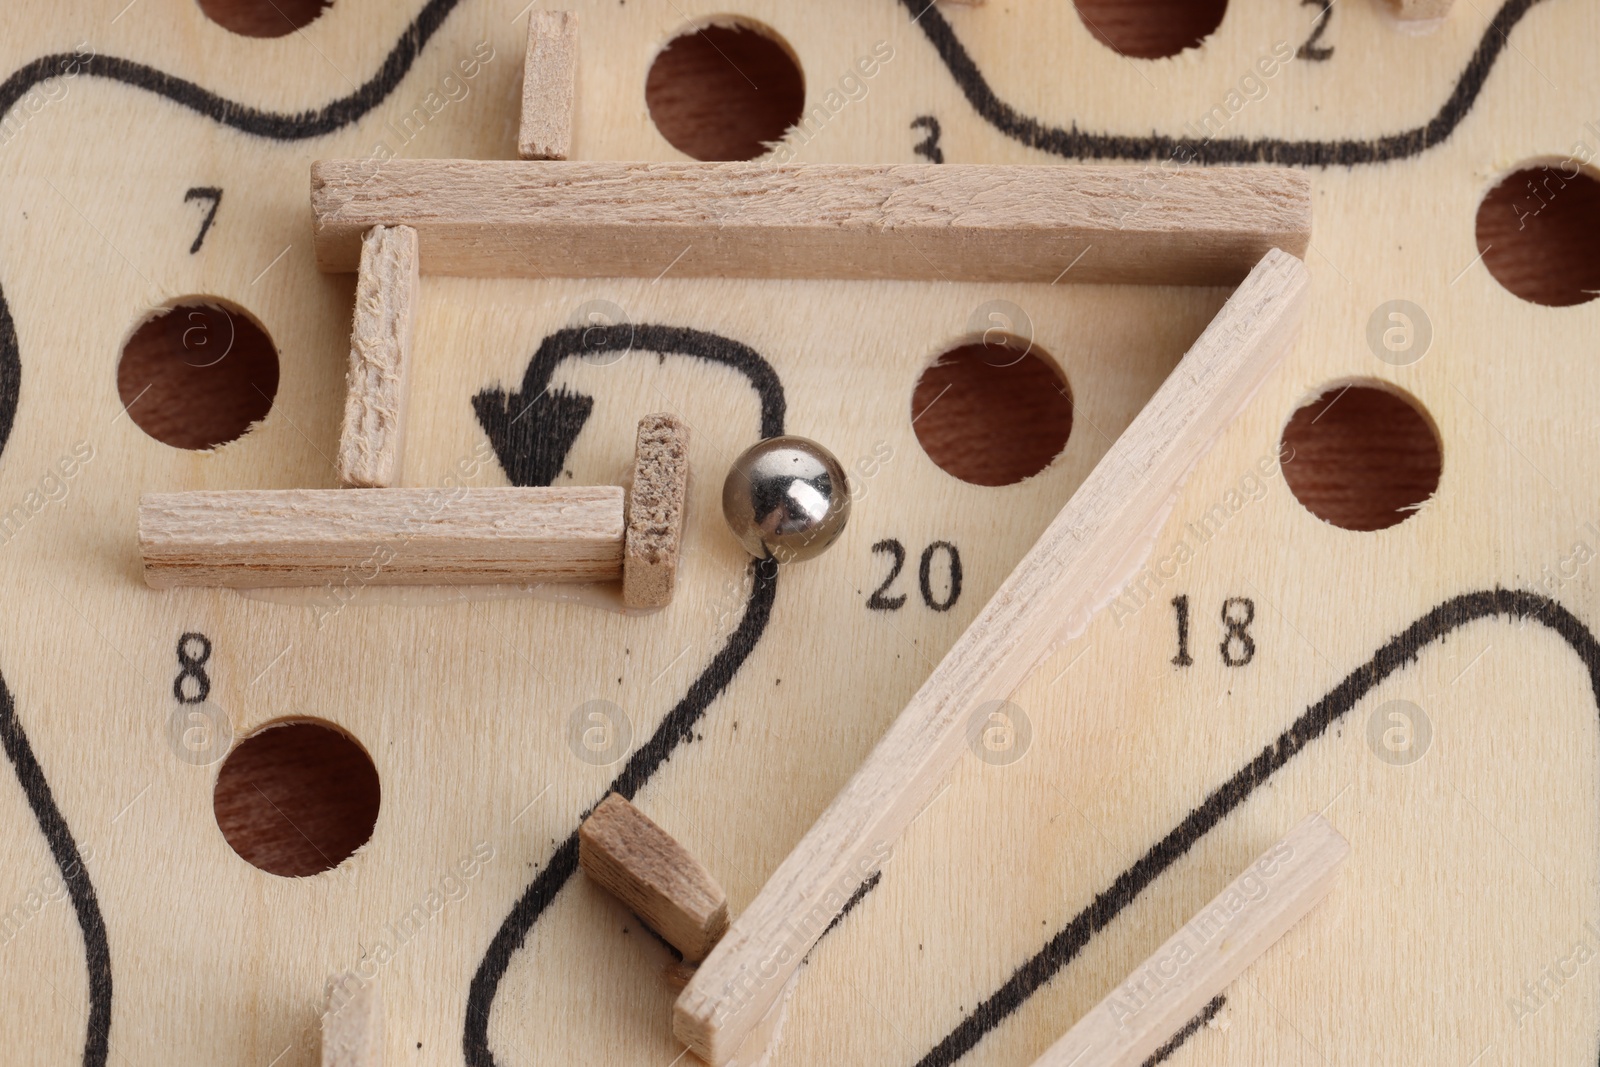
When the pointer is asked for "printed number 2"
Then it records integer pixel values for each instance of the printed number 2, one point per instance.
(1313, 49)
(193, 664)
(880, 600)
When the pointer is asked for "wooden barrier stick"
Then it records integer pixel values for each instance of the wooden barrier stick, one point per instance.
(549, 85)
(352, 1027)
(644, 866)
(1421, 10)
(1097, 541)
(376, 384)
(296, 537)
(1211, 950)
(956, 222)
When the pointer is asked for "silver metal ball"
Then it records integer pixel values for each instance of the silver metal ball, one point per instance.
(787, 499)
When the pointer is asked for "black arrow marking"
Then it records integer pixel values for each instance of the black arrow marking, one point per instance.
(30, 776)
(1400, 651)
(1074, 143)
(532, 431)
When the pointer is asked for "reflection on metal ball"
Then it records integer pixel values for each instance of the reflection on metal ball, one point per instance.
(786, 499)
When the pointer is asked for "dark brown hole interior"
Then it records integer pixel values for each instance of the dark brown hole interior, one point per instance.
(724, 92)
(263, 18)
(297, 799)
(1539, 232)
(1151, 29)
(1360, 457)
(198, 375)
(992, 414)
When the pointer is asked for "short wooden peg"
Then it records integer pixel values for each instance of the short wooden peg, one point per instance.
(644, 867)
(352, 1025)
(549, 85)
(654, 536)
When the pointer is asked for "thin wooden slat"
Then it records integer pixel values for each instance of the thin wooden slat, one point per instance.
(1099, 539)
(372, 438)
(1421, 10)
(1182, 226)
(657, 878)
(352, 1025)
(549, 85)
(1209, 952)
(654, 538)
(295, 537)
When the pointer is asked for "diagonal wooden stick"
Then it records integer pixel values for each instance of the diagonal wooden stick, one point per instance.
(1094, 545)
(1213, 948)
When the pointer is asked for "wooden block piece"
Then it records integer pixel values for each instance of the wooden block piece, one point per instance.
(654, 534)
(1089, 551)
(644, 867)
(1421, 10)
(1212, 949)
(549, 85)
(955, 222)
(357, 537)
(373, 434)
(352, 1026)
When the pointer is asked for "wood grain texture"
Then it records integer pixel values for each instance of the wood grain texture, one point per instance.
(656, 499)
(1088, 552)
(444, 686)
(261, 538)
(962, 222)
(1212, 949)
(1421, 9)
(549, 85)
(372, 439)
(352, 1027)
(658, 879)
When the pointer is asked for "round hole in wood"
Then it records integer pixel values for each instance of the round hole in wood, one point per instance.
(725, 91)
(263, 18)
(297, 798)
(992, 414)
(1539, 232)
(1361, 456)
(198, 374)
(1151, 29)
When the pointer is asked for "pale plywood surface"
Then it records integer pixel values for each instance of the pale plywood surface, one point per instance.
(1500, 805)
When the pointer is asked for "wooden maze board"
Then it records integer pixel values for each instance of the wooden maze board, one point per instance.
(153, 158)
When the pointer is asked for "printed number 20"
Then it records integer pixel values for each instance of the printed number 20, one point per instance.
(882, 599)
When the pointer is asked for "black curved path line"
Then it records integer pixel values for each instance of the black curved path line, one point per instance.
(30, 776)
(339, 113)
(1399, 651)
(1074, 143)
(678, 725)
(279, 127)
